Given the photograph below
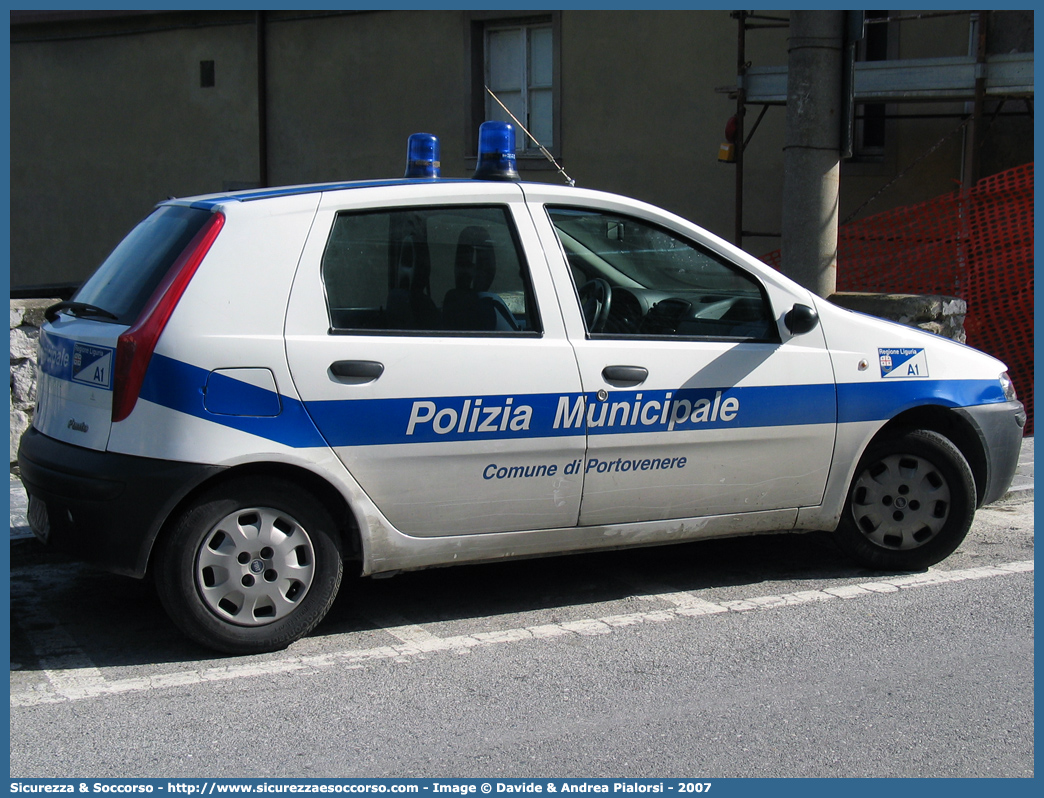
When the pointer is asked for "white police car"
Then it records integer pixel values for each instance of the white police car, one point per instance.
(257, 387)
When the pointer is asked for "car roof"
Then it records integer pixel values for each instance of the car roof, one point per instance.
(210, 201)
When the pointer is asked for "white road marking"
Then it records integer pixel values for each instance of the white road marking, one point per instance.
(399, 628)
(68, 669)
(683, 600)
(71, 676)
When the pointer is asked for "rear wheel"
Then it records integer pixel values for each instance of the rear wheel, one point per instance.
(910, 504)
(251, 566)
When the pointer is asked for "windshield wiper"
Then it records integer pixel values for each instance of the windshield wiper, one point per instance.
(79, 309)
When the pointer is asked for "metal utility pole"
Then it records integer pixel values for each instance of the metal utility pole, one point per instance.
(262, 99)
(811, 150)
(973, 133)
(741, 100)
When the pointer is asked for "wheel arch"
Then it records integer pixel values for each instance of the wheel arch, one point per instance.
(951, 425)
(332, 499)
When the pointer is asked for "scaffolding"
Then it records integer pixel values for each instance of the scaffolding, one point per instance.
(973, 79)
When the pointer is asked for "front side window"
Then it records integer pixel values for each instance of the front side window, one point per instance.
(634, 278)
(447, 269)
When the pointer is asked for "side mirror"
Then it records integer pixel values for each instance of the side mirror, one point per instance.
(801, 319)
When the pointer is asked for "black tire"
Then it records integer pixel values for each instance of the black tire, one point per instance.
(911, 502)
(250, 566)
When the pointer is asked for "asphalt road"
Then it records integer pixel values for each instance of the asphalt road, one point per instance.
(761, 656)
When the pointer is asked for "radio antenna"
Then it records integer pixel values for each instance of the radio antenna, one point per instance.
(540, 146)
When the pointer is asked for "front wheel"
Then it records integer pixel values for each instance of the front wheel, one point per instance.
(250, 566)
(910, 504)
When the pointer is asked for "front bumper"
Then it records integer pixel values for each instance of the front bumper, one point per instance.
(102, 508)
(1000, 429)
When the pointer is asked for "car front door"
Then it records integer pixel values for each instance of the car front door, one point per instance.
(697, 399)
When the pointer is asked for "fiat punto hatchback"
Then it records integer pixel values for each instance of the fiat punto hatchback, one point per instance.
(259, 389)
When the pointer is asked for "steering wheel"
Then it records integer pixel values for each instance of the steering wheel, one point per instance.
(596, 296)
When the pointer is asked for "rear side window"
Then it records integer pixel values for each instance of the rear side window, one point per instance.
(126, 279)
(429, 270)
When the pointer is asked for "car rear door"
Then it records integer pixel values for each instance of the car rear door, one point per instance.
(424, 338)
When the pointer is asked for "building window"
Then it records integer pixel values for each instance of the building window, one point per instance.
(518, 67)
(871, 118)
(518, 60)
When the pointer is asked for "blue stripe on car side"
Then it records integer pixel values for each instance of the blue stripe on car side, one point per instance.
(180, 386)
(874, 401)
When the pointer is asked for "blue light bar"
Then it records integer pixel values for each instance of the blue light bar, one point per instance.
(496, 152)
(422, 156)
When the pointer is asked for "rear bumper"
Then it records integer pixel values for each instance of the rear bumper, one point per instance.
(1000, 428)
(103, 508)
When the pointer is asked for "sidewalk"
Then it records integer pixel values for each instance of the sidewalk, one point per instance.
(19, 503)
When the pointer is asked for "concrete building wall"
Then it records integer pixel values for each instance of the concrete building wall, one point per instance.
(108, 116)
(640, 113)
(104, 127)
(346, 92)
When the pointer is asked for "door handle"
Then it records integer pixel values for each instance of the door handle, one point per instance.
(625, 375)
(357, 371)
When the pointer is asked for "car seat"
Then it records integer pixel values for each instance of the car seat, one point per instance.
(410, 306)
(470, 305)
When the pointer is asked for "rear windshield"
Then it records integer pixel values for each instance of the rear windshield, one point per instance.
(125, 281)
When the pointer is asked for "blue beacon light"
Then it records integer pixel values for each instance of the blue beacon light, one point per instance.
(496, 152)
(422, 156)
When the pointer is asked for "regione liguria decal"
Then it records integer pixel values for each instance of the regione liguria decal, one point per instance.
(77, 361)
(903, 362)
(92, 365)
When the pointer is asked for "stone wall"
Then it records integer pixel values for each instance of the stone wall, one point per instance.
(26, 317)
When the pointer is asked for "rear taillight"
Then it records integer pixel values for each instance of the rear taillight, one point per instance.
(134, 347)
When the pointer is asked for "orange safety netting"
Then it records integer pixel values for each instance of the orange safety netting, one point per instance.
(976, 245)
